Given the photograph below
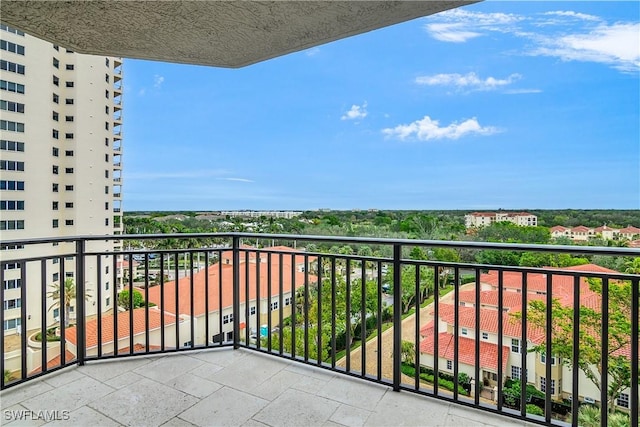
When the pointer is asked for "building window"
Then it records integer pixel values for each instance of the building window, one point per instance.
(56, 81)
(56, 63)
(106, 78)
(68, 136)
(56, 98)
(55, 152)
(106, 61)
(106, 174)
(108, 302)
(106, 158)
(11, 324)
(12, 266)
(106, 94)
(54, 187)
(449, 365)
(515, 345)
(516, 372)
(55, 134)
(227, 318)
(10, 165)
(623, 400)
(11, 145)
(543, 359)
(68, 118)
(68, 153)
(54, 206)
(54, 223)
(68, 101)
(11, 185)
(485, 335)
(11, 47)
(11, 126)
(106, 206)
(106, 189)
(106, 109)
(68, 205)
(274, 305)
(12, 284)
(11, 67)
(106, 286)
(252, 310)
(12, 205)
(68, 188)
(15, 107)
(68, 170)
(55, 116)
(13, 224)
(69, 67)
(55, 169)
(68, 222)
(12, 303)
(69, 84)
(11, 30)
(11, 86)
(464, 331)
(287, 301)
(106, 142)
(106, 221)
(55, 277)
(106, 125)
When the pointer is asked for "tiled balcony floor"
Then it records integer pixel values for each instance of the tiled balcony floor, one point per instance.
(228, 388)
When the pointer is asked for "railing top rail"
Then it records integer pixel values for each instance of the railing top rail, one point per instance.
(594, 250)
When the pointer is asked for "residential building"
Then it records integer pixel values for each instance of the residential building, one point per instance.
(61, 167)
(258, 214)
(483, 219)
(583, 234)
(512, 302)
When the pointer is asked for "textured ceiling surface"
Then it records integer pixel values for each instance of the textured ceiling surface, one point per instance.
(218, 33)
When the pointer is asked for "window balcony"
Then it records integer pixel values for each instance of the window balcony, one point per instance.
(281, 332)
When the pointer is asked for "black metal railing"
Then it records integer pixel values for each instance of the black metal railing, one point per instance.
(473, 334)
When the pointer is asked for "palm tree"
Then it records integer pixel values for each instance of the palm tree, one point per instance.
(632, 266)
(69, 294)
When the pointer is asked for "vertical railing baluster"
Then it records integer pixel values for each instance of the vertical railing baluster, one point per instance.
(476, 370)
(258, 301)
(397, 315)
(146, 305)
(220, 301)
(131, 330)
(206, 298)
(114, 295)
(436, 329)
(2, 285)
(247, 302)
(306, 308)
(192, 302)
(176, 272)
(417, 328)
(81, 349)
(604, 381)
(523, 348)
(548, 349)
(24, 319)
(99, 300)
(294, 309)
(363, 319)
(500, 315)
(280, 302)
(378, 322)
(43, 314)
(575, 402)
(162, 337)
(269, 326)
(333, 311)
(456, 328)
(236, 294)
(348, 315)
(62, 300)
(635, 284)
(319, 287)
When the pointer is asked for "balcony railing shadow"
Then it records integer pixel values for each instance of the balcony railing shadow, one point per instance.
(464, 333)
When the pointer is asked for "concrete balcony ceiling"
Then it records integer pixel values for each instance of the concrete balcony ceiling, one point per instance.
(217, 33)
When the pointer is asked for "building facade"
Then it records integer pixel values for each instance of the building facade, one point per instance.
(483, 219)
(61, 168)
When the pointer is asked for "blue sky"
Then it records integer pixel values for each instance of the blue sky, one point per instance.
(514, 105)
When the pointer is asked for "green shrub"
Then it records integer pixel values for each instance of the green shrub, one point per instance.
(534, 409)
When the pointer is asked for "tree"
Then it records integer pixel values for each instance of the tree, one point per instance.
(408, 352)
(68, 294)
(632, 266)
(123, 299)
(590, 358)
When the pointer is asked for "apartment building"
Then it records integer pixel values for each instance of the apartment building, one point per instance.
(483, 219)
(61, 168)
(560, 382)
(582, 233)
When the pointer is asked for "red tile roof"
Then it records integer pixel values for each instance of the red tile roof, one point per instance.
(226, 282)
(55, 362)
(466, 351)
(510, 300)
(630, 230)
(139, 326)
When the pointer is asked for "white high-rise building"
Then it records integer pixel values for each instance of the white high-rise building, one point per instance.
(61, 168)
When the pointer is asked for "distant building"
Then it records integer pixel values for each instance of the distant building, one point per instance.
(258, 214)
(483, 219)
(582, 233)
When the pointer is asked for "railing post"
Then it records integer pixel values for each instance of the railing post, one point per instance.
(236, 292)
(397, 315)
(80, 306)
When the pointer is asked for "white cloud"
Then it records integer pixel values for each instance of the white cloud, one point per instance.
(521, 91)
(237, 179)
(356, 112)
(566, 34)
(427, 129)
(157, 81)
(617, 45)
(313, 51)
(571, 14)
(469, 81)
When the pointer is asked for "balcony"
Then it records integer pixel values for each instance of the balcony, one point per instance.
(280, 329)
